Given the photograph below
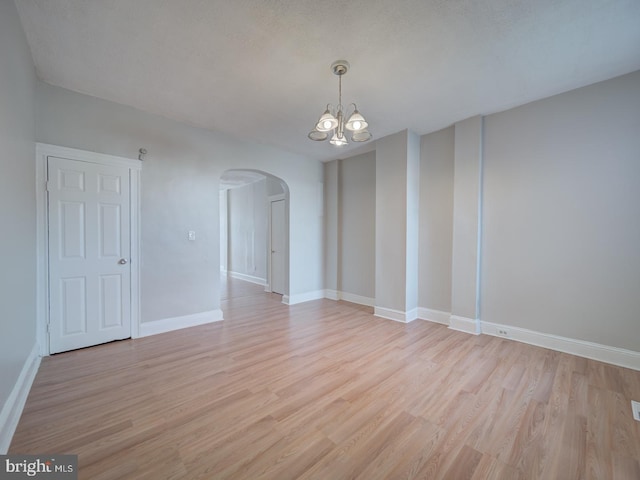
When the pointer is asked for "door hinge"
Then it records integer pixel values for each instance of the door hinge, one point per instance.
(48, 328)
(46, 186)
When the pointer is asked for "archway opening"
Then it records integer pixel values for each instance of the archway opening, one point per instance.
(254, 233)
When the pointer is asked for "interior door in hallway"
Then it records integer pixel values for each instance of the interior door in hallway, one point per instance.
(278, 247)
(89, 253)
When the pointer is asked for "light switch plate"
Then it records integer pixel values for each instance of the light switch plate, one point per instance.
(192, 235)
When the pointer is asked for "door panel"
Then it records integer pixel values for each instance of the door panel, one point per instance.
(72, 240)
(278, 247)
(89, 252)
(110, 301)
(110, 234)
(73, 293)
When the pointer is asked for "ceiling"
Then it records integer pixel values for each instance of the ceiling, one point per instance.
(260, 69)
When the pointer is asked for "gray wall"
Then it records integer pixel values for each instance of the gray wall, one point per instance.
(331, 250)
(17, 200)
(553, 187)
(248, 229)
(412, 222)
(436, 219)
(180, 181)
(397, 216)
(467, 176)
(561, 245)
(357, 232)
(391, 221)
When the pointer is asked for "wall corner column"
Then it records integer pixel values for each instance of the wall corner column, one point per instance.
(397, 216)
(467, 225)
(331, 234)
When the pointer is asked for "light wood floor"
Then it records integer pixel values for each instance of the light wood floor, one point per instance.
(325, 390)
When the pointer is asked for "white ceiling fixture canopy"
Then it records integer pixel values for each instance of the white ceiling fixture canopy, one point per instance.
(332, 120)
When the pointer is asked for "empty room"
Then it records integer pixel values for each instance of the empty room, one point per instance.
(320, 240)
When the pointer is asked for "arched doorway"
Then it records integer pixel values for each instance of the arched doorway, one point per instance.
(254, 229)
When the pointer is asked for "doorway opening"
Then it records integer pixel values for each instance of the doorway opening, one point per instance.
(254, 232)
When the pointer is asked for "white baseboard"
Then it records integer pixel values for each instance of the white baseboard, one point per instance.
(176, 323)
(396, 315)
(12, 409)
(359, 299)
(437, 316)
(349, 297)
(302, 297)
(247, 278)
(464, 324)
(594, 351)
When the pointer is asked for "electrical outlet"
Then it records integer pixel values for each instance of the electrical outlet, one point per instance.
(635, 408)
(502, 332)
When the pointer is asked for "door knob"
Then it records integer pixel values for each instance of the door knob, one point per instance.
(122, 261)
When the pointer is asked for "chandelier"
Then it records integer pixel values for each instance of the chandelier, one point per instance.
(332, 121)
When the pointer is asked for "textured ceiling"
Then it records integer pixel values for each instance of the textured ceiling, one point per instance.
(259, 69)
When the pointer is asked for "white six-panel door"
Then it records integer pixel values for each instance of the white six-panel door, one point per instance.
(278, 246)
(89, 253)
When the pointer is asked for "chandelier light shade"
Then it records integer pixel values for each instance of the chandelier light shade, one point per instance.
(356, 122)
(318, 136)
(327, 122)
(332, 122)
(337, 140)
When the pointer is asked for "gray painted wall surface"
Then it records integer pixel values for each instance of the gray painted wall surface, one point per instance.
(561, 247)
(413, 218)
(436, 219)
(180, 181)
(17, 200)
(248, 229)
(466, 222)
(391, 221)
(357, 224)
(331, 219)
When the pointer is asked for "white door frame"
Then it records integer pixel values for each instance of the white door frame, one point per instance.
(43, 151)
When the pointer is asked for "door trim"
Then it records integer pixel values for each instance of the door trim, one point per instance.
(43, 151)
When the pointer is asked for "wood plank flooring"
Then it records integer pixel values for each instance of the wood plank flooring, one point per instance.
(325, 390)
